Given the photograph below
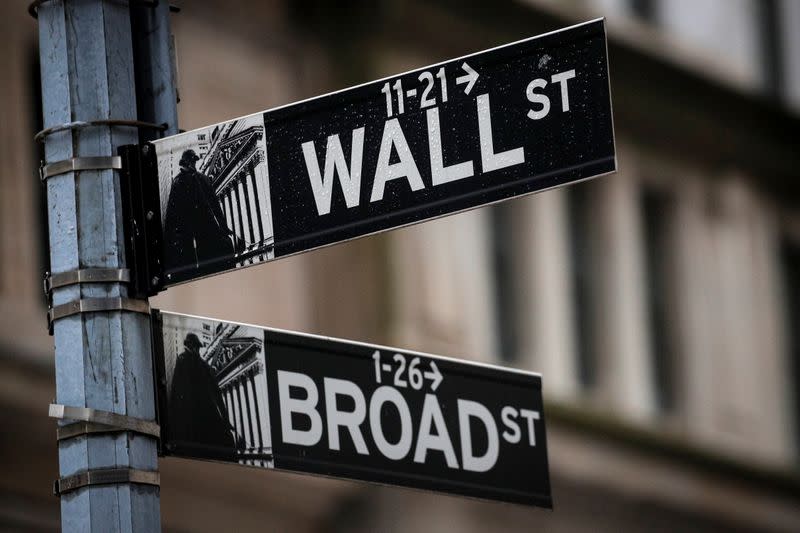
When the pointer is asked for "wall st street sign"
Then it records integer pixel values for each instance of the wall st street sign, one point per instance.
(303, 403)
(501, 123)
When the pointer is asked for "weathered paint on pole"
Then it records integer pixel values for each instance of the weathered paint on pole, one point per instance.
(102, 359)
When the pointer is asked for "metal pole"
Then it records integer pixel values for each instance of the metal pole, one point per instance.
(156, 83)
(102, 359)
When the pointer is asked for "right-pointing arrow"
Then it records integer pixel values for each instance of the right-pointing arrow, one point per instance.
(435, 376)
(469, 78)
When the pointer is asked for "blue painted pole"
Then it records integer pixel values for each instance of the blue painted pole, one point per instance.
(102, 359)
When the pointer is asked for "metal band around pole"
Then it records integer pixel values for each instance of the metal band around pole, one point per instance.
(76, 164)
(79, 429)
(105, 476)
(95, 305)
(33, 7)
(96, 417)
(86, 275)
(80, 124)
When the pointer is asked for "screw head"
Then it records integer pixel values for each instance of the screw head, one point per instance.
(146, 149)
(155, 280)
(150, 215)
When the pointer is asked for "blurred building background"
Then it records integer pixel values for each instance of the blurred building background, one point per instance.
(661, 304)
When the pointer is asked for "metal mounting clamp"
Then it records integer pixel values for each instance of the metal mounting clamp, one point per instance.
(94, 305)
(85, 275)
(105, 476)
(77, 164)
(98, 421)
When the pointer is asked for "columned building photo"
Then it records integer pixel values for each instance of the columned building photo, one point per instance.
(237, 167)
(237, 359)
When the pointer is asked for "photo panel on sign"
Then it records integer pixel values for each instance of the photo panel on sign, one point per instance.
(215, 198)
(215, 388)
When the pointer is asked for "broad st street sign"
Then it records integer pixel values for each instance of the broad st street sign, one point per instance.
(303, 403)
(506, 122)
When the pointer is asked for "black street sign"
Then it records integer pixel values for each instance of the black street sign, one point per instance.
(303, 403)
(505, 122)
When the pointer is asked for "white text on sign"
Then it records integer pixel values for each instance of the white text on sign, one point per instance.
(432, 434)
(393, 140)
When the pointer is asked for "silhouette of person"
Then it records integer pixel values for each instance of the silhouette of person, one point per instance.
(195, 231)
(197, 414)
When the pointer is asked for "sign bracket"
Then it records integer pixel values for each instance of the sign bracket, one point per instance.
(142, 218)
(159, 373)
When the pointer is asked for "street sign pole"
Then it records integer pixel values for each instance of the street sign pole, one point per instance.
(108, 480)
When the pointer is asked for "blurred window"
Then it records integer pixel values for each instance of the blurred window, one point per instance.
(608, 8)
(584, 275)
(727, 32)
(644, 9)
(790, 256)
(502, 263)
(657, 218)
